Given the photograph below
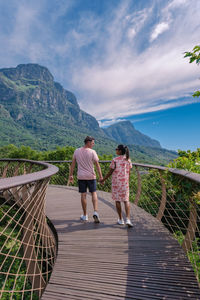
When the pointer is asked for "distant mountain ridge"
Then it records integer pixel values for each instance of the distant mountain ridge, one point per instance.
(125, 133)
(37, 111)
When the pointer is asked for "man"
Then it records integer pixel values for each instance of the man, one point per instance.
(85, 158)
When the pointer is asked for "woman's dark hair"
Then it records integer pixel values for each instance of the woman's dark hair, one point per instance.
(124, 150)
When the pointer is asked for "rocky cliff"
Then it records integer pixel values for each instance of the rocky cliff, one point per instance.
(45, 111)
(31, 88)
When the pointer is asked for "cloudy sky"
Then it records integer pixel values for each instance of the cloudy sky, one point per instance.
(123, 59)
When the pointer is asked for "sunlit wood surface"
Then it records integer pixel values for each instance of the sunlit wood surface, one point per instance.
(109, 261)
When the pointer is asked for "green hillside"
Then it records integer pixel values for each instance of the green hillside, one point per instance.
(38, 112)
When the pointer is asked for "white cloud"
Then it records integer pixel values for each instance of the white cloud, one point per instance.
(127, 81)
(135, 21)
(107, 61)
(24, 17)
(131, 33)
(62, 7)
(176, 3)
(107, 123)
(159, 28)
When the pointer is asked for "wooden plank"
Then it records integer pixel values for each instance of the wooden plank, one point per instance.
(109, 261)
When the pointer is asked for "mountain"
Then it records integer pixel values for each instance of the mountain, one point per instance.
(36, 111)
(40, 111)
(31, 88)
(125, 133)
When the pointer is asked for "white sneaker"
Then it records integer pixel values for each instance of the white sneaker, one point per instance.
(84, 218)
(120, 221)
(96, 217)
(128, 222)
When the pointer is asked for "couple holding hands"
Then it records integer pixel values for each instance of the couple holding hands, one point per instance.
(120, 167)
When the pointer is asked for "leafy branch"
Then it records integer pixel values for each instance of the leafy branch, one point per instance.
(194, 55)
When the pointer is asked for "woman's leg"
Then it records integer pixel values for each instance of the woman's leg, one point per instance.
(127, 209)
(119, 209)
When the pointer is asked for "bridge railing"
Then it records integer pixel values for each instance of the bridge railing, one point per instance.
(27, 243)
(170, 195)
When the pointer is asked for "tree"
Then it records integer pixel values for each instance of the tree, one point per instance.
(194, 55)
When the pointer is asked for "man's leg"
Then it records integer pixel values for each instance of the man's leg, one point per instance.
(95, 205)
(95, 200)
(84, 203)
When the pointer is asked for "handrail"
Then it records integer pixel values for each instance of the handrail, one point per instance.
(189, 175)
(10, 182)
(184, 173)
(27, 245)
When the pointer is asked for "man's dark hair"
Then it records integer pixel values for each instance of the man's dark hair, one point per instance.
(88, 139)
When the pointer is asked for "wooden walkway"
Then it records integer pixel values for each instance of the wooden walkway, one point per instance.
(109, 261)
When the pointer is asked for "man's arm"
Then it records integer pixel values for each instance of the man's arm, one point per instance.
(71, 178)
(99, 170)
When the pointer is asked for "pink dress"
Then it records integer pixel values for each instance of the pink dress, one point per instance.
(120, 178)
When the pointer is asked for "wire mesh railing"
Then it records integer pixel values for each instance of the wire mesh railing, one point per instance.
(27, 245)
(170, 195)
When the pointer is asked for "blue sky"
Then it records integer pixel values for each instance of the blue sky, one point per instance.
(123, 59)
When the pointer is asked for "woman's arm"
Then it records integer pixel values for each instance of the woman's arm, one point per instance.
(107, 175)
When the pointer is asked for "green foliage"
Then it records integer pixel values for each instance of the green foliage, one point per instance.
(196, 94)
(193, 255)
(26, 152)
(12, 246)
(16, 85)
(185, 190)
(137, 153)
(187, 160)
(194, 56)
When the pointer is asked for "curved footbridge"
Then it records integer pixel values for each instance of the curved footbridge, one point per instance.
(109, 261)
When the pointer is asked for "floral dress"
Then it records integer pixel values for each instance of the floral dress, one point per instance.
(120, 178)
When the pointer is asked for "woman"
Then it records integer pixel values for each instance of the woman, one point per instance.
(120, 171)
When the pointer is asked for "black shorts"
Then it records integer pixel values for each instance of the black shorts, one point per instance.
(84, 184)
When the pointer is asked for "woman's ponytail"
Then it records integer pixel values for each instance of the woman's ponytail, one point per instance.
(127, 152)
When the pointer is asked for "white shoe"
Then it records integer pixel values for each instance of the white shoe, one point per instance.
(96, 217)
(120, 221)
(128, 223)
(84, 218)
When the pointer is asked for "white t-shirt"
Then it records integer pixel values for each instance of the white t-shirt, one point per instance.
(85, 158)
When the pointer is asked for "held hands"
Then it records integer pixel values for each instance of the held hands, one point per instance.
(70, 180)
(101, 181)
